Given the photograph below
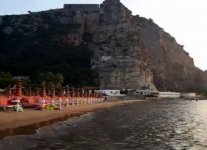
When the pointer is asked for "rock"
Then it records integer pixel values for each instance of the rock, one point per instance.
(77, 19)
(115, 47)
(65, 20)
(172, 66)
(1, 20)
(46, 26)
(8, 30)
(127, 51)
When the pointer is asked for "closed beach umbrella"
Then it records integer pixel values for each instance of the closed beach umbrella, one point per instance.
(78, 94)
(43, 92)
(30, 91)
(19, 88)
(8, 91)
(73, 92)
(67, 91)
(82, 90)
(52, 90)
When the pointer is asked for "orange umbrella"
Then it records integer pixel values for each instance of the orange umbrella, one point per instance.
(19, 88)
(43, 92)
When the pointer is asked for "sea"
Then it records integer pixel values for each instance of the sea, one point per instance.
(147, 125)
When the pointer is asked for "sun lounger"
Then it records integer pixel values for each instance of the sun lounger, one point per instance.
(16, 104)
(5, 105)
(59, 103)
(26, 104)
(34, 102)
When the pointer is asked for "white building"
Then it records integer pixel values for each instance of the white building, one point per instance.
(111, 92)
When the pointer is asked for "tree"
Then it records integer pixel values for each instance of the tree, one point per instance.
(51, 78)
(46, 77)
(5, 79)
(59, 78)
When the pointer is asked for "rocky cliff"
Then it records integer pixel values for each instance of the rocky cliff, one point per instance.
(53, 40)
(172, 66)
(101, 45)
(119, 55)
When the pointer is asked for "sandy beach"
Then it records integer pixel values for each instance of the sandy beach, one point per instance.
(11, 120)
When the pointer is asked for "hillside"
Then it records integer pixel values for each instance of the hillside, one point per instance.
(97, 45)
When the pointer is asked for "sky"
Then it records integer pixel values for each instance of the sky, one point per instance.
(183, 19)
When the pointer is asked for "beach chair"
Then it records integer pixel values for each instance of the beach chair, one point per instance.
(42, 103)
(59, 103)
(66, 102)
(5, 105)
(26, 103)
(34, 102)
(16, 104)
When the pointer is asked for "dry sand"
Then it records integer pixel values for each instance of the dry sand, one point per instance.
(12, 120)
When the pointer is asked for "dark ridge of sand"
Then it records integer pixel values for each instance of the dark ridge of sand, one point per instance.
(16, 123)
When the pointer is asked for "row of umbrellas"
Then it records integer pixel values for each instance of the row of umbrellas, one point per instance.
(66, 91)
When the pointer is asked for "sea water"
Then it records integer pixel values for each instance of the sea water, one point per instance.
(149, 125)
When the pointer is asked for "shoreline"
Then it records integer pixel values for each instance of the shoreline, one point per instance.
(27, 122)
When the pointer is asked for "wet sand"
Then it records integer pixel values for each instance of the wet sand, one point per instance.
(12, 120)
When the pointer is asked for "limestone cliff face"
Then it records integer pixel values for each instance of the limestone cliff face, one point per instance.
(70, 24)
(172, 66)
(119, 55)
(102, 43)
(53, 40)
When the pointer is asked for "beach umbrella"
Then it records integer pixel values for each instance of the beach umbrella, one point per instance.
(78, 94)
(38, 91)
(67, 94)
(8, 91)
(43, 91)
(87, 93)
(49, 90)
(30, 91)
(52, 94)
(19, 88)
(67, 91)
(73, 92)
(82, 92)
(63, 91)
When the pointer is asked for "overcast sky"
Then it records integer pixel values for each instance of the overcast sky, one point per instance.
(183, 19)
